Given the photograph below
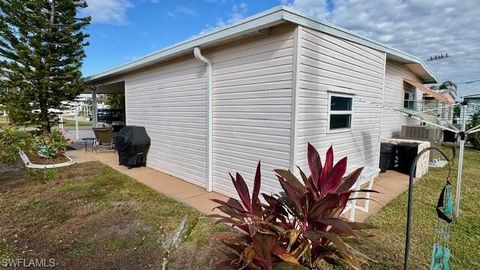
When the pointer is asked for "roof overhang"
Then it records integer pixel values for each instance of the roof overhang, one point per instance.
(472, 96)
(258, 22)
(114, 87)
(442, 98)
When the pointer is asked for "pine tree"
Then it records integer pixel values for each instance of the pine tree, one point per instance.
(41, 53)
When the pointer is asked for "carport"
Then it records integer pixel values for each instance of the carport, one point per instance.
(97, 88)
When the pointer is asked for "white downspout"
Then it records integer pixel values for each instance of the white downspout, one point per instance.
(198, 55)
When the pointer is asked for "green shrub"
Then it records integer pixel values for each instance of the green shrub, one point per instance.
(474, 138)
(10, 141)
(50, 145)
(301, 227)
(8, 154)
(46, 145)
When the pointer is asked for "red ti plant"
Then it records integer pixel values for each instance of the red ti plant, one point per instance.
(301, 227)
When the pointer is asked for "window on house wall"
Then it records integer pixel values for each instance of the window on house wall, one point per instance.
(340, 112)
(409, 100)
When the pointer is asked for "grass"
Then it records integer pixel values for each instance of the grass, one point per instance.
(100, 216)
(103, 217)
(71, 123)
(387, 244)
(67, 123)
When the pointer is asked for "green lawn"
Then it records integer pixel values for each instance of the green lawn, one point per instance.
(103, 217)
(387, 245)
(97, 218)
(68, 123)
(71, 123)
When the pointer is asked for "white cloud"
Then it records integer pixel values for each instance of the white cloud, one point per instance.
(183, 10)
(420, 27)
(108, 11)
(237, 13)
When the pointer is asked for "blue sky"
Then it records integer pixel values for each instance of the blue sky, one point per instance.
(124, 30)
(148, 26)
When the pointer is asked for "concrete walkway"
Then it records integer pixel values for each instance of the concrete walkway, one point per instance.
(190, 194)
(389, 184)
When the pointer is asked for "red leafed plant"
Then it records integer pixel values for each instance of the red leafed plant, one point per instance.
(301, 227)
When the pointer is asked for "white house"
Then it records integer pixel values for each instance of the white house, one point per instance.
(473, 102)
(261, 89)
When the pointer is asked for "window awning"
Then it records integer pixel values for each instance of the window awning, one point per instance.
(442, 98)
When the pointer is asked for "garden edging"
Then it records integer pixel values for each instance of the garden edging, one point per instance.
(31, 165)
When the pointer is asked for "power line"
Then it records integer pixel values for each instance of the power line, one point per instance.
(469, 82)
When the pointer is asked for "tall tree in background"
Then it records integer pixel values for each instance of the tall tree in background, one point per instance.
(116, 101)
(448, 87)
(41, 53)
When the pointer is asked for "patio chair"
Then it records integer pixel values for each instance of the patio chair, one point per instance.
(103, 139)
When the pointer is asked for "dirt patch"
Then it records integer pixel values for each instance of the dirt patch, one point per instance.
(97, 219)
(11, 175)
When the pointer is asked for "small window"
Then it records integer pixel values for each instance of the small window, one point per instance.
(409, 100)
(340, 112)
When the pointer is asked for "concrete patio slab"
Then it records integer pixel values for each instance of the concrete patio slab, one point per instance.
(389, 184)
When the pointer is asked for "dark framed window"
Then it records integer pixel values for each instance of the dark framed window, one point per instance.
(409, 100)
(340, 112)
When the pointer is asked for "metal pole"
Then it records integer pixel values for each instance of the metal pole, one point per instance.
(458, 193)
(410, 201)
(77, 135)
(61, 122)
(94, 108)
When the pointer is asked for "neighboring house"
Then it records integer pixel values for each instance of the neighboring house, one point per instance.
(278, 80)
(473, 105)
(438, 105)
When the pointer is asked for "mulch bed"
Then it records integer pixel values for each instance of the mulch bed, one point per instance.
(36, 159)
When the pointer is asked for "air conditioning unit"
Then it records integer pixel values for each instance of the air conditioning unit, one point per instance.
(424, 133)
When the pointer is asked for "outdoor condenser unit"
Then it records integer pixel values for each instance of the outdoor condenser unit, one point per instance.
(418, 132)
(423, 133)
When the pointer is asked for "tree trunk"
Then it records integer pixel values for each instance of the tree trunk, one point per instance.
(44, 119)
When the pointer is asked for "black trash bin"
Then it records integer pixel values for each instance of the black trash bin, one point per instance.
(449, 136)
(132, 144)
(406, 154)
(388, 152)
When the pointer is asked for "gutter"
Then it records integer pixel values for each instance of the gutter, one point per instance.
(198, 55)
(271, 17)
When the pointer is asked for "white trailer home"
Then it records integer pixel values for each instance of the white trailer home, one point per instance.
(261, 89)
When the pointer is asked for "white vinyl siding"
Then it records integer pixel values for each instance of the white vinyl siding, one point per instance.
(329, 64)
(170, 102)
(254, 105)
(392, 122)
(252, 101)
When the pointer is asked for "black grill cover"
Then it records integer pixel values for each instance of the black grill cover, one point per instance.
(388, 152)
(132, 144)
(406, 154)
